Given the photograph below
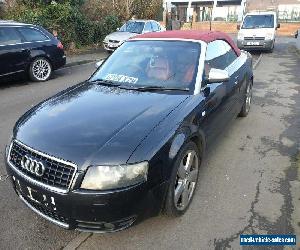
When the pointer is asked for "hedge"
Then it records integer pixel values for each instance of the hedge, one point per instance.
(71, 24)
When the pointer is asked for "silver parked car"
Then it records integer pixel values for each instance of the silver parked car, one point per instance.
(128, 30)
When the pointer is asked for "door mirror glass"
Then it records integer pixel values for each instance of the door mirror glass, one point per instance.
(217, 75)
(98, 64)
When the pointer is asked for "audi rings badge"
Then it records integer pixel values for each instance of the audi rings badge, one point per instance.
(33, 166)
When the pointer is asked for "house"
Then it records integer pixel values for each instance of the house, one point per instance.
(288, 10)
(204, 10)
(232, 10)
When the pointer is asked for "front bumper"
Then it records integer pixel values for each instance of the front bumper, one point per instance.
(90, 210)
(255, 44)
(110, 46)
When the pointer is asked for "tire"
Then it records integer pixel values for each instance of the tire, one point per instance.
(40, 70)
(248, 100)
(272, 48)
(182, 181)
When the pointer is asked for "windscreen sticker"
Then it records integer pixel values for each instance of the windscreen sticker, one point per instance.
(121, 78)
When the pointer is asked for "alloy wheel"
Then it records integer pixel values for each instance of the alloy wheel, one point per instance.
(41, 69)
(186, 180)
(248, 97)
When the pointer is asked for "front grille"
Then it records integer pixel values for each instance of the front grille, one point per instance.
(57, 174)
(45, 211)
(250, 38)
(114, 41)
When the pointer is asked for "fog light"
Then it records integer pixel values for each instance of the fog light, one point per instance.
(109, 226)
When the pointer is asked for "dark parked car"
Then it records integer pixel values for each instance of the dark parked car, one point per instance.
(30, 49)
(128, 143)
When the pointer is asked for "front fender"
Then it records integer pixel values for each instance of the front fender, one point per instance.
(184, 136)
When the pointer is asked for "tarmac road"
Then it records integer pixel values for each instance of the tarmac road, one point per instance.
(249, 182)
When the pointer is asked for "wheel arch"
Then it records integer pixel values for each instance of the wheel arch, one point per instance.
(184, 136)
(39, 54)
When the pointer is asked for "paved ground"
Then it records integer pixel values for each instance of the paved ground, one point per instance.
(249, 182)
(87, 56)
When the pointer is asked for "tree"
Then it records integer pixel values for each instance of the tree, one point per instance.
(124, 9)
(148, 9)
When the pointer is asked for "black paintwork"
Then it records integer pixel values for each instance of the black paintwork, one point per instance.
(16, 58)
(90, 124)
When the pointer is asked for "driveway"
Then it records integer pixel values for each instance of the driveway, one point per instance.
(249, 182)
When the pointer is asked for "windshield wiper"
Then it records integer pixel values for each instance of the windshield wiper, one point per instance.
(105, 82)
(160, 88)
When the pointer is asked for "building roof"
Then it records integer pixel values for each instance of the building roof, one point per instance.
(205, 36)
(268, 4)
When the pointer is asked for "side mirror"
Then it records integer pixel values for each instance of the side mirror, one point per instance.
(98, 64)
(218, 75)
(238, 27)
(118, 29)
(278, 26)
(296, 34)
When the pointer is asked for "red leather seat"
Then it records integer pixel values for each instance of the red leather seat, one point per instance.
(159, 68)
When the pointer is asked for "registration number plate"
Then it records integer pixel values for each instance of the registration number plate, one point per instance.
(252, 43)
(111, 45)
(34, 196)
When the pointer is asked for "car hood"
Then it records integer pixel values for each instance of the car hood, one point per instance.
(120, 36)
(256, 32)
(91, 124)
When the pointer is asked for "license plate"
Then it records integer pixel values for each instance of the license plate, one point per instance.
(111, 45)
(37, 197)
(252, 43)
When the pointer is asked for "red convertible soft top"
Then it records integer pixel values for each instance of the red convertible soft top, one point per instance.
(205, 36)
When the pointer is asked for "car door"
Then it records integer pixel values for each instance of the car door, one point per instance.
(35, 42)
(219, 97)
(238, 73)
(12, 55)
(233, 67)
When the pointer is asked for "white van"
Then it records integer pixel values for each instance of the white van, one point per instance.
(258, 31)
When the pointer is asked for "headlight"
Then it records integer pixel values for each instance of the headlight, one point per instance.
(110, 177)
(106, 39)
(240, 36)
(269, 36)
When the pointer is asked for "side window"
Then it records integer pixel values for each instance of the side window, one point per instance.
(9, 35)
(230, 56)
(32, 35)
(155, 26)
(214, 56)
(148, 27)
(219, 55)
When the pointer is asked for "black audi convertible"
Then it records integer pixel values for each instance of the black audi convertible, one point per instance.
(127, 144)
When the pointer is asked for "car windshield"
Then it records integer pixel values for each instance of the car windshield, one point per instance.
(133, 27)
(258, 21)
(155, 64)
